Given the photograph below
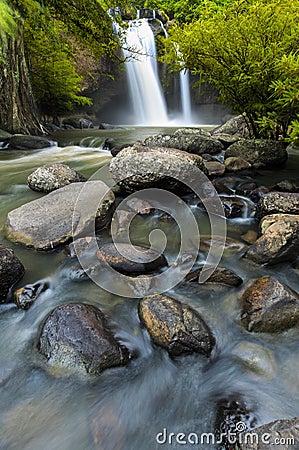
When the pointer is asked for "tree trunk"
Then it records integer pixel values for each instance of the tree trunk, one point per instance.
(18, 111)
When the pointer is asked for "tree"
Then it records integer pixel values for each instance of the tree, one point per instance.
(245, 49)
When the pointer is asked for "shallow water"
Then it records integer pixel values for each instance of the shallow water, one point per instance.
(125, 408)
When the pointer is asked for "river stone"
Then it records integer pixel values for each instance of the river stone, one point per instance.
(47, 222)
(235, 164)
(269, 306)
(11, 271)
(77, 336)
(233, 207)
(24, 142)
(140, 167)
(175, 326)
(235, 126)
(279, 241)
(191, 143)
(214, 168)
(77, 122)
(286, 186)
(183, 131)
(250, 236)
(221, 275)
(278, 202)
(27, 295)
(125, 260)
(53, 176)
(285, 431)
(256, 358)
(260, 153)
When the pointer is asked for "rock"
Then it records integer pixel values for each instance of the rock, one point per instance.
(4, 135)
(24, 142)
(278, 202)
(191, 143)
(250, 236)
(235, 126)
(77, 122)
(235, 164)
(52, 220)
(139, 206)
(108, 144)
(27, 295)
(256, 194)
(279, 241)
(256, 358)
(140, 167)
(232, 207)
(231, 245)
(214, 168)
(76, 336)
(226, 139)
(127, 258)
(245, 188)
(221, 275)
(260, 153)
(175, 326)
(269, 306)
(116, 149)
(221, 187)
(197, 131)
(83, 245)
(109, 126)
(53, 176)
(284, 432)
(286, 186)
(11, 271)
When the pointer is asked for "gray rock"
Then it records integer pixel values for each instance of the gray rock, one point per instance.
(196, 131)
(52, 220)
(109, 126)
(76, 336)
(286, 186)
(11, 271)
(279, 241)
(24, 142)
(235, 164)
(278, 202)
(175, 326)
(221, 275)
(27, 295)
(235, 126)
(260, 153)
(77, 122)
(53, 176)
(214, 168)
(255, 358)
(191, 143)
(269, 306)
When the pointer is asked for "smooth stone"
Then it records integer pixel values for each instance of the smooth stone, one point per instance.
(27, 295)
(250, 237)
(256, 358)
(11, 271)
(77, 122)
(53, 176)
(214, 168)
(221, 275)
(235, 164)
(24, 142)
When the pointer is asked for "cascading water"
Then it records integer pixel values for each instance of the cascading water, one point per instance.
(142, 72)
(185, 96)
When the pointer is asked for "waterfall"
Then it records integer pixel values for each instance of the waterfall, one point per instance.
(142, 72)
(185, 96)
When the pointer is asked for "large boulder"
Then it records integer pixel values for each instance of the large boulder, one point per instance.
(52, 220)
(236, 126)
(140, 167)
(221, 275)
(24, 142)
(77, 122)
(269, 306)
(279, 241)
(278, 202)
(279, 434)
(175, 326)
(11, 271)
(191, 143)
(53, 176)
(76, 336)
(260, 153)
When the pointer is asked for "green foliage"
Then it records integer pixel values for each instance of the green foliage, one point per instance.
(249, 51)
(7, 19)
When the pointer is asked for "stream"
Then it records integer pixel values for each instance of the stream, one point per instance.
(126, 408)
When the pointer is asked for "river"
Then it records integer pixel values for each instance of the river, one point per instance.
(126, 408)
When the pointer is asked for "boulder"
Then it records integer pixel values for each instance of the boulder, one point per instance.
(235, 164)
(234, 126)
(226, 139)
(52, 220)
(269, 306)
(250, 236)
(109, 126)
(76, 336)
(127, 258)
(279, 241)
(140, 167)
(260, 153)
(286, 186)
(233, 207)
(53, 176)
(191, 143)
(197, 131)
(221, 275)
(214, 168)
(285, 432)
(24, 142)
(175, 326)
(11, 271)
(255, 358)
(27, 295)
(77, 122)
(278, 202)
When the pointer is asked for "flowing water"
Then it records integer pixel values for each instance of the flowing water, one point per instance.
(185, 97)
(126, 408)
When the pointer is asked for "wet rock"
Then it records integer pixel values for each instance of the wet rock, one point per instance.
(127, 258)
(230, 246)
(24, 142)
(139, 206)
(269, 306)
(250, 236)
(285, 432)
(76, 336)
(221, 187)
(278, 202)
(196, 131)
(226, 139)
(27, 295)
(246, 188)
(260, 153)
(286, 186)
(234, 126)
(109, 126)
(118, 148)
(140, 167)
(53, 176)
(77, 122)
(108, 144)
(175, 326)
(191, 143)
(232, 207)
(235, 164)
(258, 193)
(214, 168)
(221, 275)
(83, 245)
(279, 241)
(52, 220)
(257, 359)
(11, 271)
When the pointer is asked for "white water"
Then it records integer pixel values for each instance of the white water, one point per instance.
(185, 96)
(142, 72)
